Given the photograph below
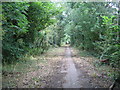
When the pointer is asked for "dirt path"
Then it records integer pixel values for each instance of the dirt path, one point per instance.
(59, 68)
(75, 77)
(71, 78)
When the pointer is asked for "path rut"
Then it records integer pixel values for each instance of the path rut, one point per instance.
(71, 78)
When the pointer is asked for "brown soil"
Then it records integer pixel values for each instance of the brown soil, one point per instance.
(63, 68)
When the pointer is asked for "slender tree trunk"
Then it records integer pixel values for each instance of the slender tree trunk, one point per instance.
(119, 20)
(119, 13)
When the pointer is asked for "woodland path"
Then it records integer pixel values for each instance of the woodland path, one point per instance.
(71, 77)
(61, 67)
(75, 77)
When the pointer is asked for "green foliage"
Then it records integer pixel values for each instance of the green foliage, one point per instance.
(23, 28)
(31, 28)
(14, 27)
(94, 27)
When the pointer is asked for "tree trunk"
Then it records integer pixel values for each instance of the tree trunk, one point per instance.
(119, 21)
(119, 13)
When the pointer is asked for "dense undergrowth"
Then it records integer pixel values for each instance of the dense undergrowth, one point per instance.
(30, 28)
(95, 27)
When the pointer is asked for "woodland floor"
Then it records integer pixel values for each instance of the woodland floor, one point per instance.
(61, 67)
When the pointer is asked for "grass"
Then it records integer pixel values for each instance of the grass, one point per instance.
(84, 53)
(103, 68)
(26, 64)
(14, 71)
(23, 64)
